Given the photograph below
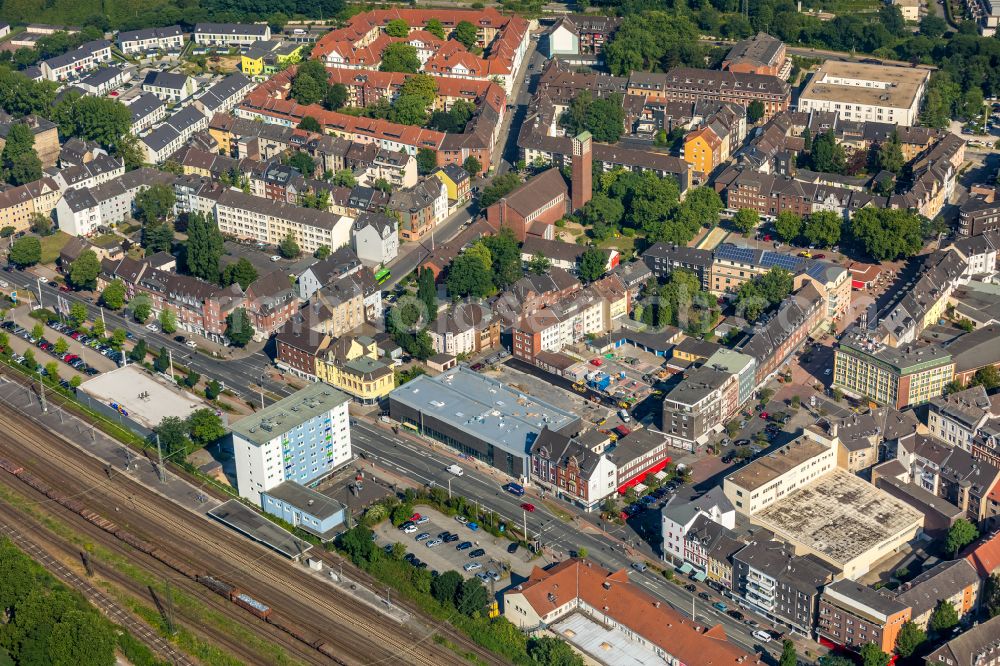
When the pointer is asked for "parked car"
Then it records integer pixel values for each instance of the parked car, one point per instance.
(423, 536)
(478, 552)
(462, 519)
(409, 529)
(735, 614)
(434, 542)
(465, 545)
(472, 566)
(512, 548)
(762, 636)
(639, 566)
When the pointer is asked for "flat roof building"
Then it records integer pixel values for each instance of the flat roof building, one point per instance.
(852, 614)
(859, 91)
(301, 438)
(479, 416)
(137, 398)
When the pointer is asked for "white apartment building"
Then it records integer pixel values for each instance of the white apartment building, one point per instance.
(301, 438)
(246, 216)
(230, 34)
(678, 517)
(766, 480)
(105, 80)
(73, 63)
(78, 213)
(168, 86)
(149, 40)
(957, 417)
(147, 110)
(167, 137)
(863, 92)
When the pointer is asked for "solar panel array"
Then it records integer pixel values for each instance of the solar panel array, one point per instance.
(746, 255)
(786, 261)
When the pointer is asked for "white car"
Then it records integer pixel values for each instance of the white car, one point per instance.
(275, 257)
(434, 542)
(152, 327)
(422, 519)
(409, 529)
(472, 566)
(462, 519)
(762, 636)
(43, 280)
(192, 344)
(827, 371)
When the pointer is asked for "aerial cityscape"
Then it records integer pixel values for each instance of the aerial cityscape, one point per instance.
(606, 332)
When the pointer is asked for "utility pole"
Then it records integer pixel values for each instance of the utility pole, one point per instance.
(524, 513)
(103, 322)
(41, 388)
(38, 283)
(449, 488)
(170, 355)
(159, 454)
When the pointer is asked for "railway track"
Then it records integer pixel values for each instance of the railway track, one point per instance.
(55, 553)
(354, 632)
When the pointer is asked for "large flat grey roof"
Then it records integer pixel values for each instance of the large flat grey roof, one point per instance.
(147, 398)
(483, 408)
(244, 519)
(301, 406)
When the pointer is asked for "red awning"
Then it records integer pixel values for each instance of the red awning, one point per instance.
(635, 480)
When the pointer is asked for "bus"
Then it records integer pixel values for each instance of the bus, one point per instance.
(382, 275)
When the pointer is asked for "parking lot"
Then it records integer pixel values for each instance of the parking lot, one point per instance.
(444, 555)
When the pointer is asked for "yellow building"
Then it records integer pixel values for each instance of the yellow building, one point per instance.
(456, 180)
(265, 58)
(19, 204)
(352, 364)
(703, 150)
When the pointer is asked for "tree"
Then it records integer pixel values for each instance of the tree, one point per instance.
(155, 204)
(128, 150)
(960, 534)
(827, 155)
(113, 296)
(118, 338)
(755, 111)
(84, 270)
(19, 163)
(472, 597)
(539, 265)
(427, 292)
(988, 377)
(205, 246)
(38, 331)
(472, 166)
(97, 330)
(421, 86)
(409, 110)
(593, 264)
(822, 228)
(466, 34)
(357, 543)
(174, 437)
(505, 256)
(162, 362)
(61, 346)
(890, 154)
(834, 660)
(242, 272)
(140, 307)
(552, 651)
(310, 124)
(397, 28)
(471, 273)
(400, 57)
(205, 427)
(78, 314)
(887, 234)
(289, 248)
(788, 225)
(445, 587)
(426, 161)
(910, 638)
(336, 97)
(213, 389)
(239, 328)
(436, 28)
(139, 351)
(991, 595)
(26, 251)
(602, 214)
(500, 187)
(302, 162)
(168, 321)
(99, 119)
(944, 617)
(158, 237)
(41, 224)
(746, 220)
(788, 655)
(344, 178)
(310, 83)
(872, 655)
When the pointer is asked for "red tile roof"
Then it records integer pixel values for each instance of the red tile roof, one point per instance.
(986, 556)
(627, 604)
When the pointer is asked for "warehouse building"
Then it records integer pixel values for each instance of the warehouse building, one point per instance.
(479, 417)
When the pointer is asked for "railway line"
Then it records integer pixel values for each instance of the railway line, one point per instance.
(352, 631)
(56, 553)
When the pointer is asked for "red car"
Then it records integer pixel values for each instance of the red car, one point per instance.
(596, 361)
(767, 238)
(528, 506)
(819, 256)
(763, 415)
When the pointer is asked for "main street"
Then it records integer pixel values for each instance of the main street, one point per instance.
(402, 456)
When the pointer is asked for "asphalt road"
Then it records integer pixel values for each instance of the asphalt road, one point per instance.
(239, 374)
(412, 460)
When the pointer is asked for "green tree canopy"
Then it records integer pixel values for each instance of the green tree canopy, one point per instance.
(336, 97)
(168, 321)
(426, 161)
(472, 597)
(822, 228)
(26, 251)
(155, 204)
(397, 28)
(205, 246)
(593, 263)
(84, 270)
(240, 272)
(239, 328)
(746, 220)
(909, 639)
(310, 83)
(466, 34)
(788, 655)
(960, 534)
(500, 187)
(991, 595)
(400, 57)
(552, 651)
(755, 111)
(539, 264)
(788, 225)
(445, 587)
(872, 655)
(289, 247)
(436, 28)
(472, 166)
(887, 234)
(505, 255)
(303, 162)
(113, 296)
(471, 273)
(205, 427)
(99, 119)
(944, 617)
(421, 86)
(988, 377)
(174, 436)
(310, 124)
(890, 154)
(19, 163)
(827, 155)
